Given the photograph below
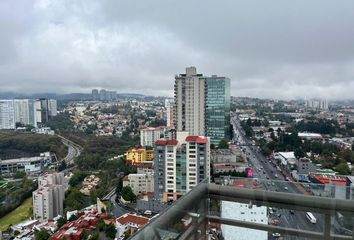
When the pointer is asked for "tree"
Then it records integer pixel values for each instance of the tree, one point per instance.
(342, 169)
(126, 235)
(101, 225)
(61, 221)
(74, 199)
(19, 124)
(94, 236)
(223, 144)
(42, 235)
(157, 122)
(127, 194)
(299, 153)
(347, 155)
(19, 174)
(119, 185)
(77, 178)
(62, 166)
(110, 231)
(73, 217)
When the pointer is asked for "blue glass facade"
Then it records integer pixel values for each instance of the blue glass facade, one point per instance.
(217, 114)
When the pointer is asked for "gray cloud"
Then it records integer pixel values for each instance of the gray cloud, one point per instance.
(277, 49)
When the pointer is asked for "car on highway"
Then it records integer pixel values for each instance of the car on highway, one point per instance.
(276, 235)
(276, 175)
(291, 211)
(311, 217)
(286, 188)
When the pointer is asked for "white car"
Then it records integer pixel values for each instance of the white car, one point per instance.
(147, 212)
(276, 235)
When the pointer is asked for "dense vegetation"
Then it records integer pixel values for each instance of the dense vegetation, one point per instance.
(13, 144)
(97, 151)
(318, 126)
(61, 123)
(13, 194)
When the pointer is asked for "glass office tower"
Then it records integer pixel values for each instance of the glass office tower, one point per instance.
(217, 114)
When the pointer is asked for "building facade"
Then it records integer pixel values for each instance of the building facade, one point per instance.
(149, 135)
(95, 95)
(170, 112)
(139, 155)
(190, 102)
(25, 112)
(217, 108)
(42, 110)
(180, 164)
(48, 199)
(202, 105)
(140, 183)
(7, 114)
(52, 107)
(28, 165)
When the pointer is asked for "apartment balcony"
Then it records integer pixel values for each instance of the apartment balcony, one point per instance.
(202, 214)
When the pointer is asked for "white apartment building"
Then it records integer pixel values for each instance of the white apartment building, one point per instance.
(38, 111)
(56, 178)
(180, 164)
(319, 104)
(190, 102)
(170, 114)
(149, 135)
(48, 199)
(7, 114)
(52, 107)
(25, 111)
(243, 212)
(140, 183)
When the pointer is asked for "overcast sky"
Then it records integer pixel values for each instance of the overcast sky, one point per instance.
(275, 49)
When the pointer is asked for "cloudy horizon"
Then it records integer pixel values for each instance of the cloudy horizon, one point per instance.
(269, 49)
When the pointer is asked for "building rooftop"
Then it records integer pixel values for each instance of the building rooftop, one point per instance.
(133, 218)
(166, 142)
(197, 139)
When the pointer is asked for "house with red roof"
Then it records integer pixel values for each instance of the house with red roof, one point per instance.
(130, 223)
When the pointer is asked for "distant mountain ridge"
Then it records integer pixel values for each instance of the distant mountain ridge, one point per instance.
(68, 96)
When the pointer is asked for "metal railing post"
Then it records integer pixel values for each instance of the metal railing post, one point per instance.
(327, 227)
(353, 228)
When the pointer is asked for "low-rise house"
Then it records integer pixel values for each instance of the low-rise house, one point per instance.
(130, 223)
(140, 183)
(89, 183)
(75, 229)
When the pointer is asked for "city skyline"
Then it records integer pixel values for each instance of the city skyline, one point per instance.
(129, 48)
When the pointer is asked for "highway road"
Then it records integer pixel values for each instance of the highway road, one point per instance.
(265, 171)
(74, 150)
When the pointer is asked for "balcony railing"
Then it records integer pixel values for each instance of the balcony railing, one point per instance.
(191, 217)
